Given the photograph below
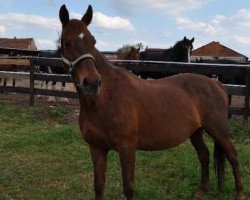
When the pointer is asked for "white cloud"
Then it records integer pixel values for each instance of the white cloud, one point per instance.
(102, 44)
(169, 7)
(45, 44)
(241, 19)
(245, 40)
(18, 21)
(211, 28)
(2, 30)
(107, 22)
(232, 30)
(103, 21)
(107, 46)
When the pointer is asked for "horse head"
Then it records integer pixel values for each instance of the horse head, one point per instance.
(78, 47)
(188, 46)
(184, 49)
(134, 53)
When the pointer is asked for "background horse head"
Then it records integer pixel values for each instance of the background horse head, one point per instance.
(131, 54)
(180, 52)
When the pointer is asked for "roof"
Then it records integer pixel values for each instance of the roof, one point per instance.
(215, 49)
(18, 43)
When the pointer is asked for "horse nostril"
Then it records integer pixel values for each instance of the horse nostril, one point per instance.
(86, 82)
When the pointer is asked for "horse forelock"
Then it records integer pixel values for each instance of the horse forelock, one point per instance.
(75, 26)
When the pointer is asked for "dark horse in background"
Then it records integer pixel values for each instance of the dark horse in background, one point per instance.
(237, 80)
(121, 112)
(53, 70)
(180, 52)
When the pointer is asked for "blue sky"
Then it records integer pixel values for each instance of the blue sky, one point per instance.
(155, 23)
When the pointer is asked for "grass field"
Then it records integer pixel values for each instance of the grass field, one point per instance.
(47, 159)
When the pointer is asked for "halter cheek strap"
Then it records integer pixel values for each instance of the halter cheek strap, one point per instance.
(73, 63)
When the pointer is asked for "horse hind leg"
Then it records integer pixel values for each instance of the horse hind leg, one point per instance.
(203, 155)
(224, 148)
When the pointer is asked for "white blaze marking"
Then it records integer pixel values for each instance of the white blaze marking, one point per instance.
(189, 52)
(81, 35)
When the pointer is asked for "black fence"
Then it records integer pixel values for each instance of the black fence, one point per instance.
(229, 72)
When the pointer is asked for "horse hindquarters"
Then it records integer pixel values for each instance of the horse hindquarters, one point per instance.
(216, 125)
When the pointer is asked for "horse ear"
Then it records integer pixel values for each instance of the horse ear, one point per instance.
(185, 38)
(64, 15)
(192, 40)
(87, 17)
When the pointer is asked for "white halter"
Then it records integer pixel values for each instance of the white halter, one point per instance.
(73, 63)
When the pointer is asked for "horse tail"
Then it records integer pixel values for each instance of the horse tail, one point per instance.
(219, 164)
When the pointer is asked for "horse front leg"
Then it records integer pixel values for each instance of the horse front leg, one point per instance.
(99, 158)
(127, 159)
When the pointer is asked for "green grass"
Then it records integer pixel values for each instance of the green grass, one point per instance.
(42, 159)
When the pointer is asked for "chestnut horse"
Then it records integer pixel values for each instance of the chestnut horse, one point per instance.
(121, 112)
(132, 54)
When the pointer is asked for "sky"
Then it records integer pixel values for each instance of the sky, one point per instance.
(155, 23)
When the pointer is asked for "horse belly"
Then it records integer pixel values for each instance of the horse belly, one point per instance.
(164, 139)
(169, 128)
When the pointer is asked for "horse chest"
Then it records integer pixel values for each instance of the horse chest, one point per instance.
(98, 135)
(92, 135)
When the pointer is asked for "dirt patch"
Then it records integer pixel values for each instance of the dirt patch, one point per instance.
(238, 101)
(44, 108)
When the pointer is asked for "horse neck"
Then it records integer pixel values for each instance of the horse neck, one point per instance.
(104, 67)
(168, 54)
(175, 54)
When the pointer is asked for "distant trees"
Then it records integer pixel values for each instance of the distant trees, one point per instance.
(127, 47)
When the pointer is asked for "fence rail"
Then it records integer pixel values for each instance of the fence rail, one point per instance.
(146, 68)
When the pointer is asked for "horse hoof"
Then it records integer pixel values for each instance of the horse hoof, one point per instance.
(199, 195)
(240, 196)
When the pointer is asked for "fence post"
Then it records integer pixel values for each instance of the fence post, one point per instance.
(32, 85)
(247, 93)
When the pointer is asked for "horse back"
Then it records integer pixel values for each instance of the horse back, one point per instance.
(208, 95)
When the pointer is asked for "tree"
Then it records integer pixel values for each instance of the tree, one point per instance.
(127, 47)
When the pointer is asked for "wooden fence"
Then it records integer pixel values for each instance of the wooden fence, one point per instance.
(145, 68)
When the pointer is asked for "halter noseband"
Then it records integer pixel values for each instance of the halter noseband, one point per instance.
(73, 63)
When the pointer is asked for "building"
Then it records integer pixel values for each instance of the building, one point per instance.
(216, 51)
(16, 43)
(110, 55)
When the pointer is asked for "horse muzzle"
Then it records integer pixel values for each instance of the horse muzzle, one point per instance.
(90, 87)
